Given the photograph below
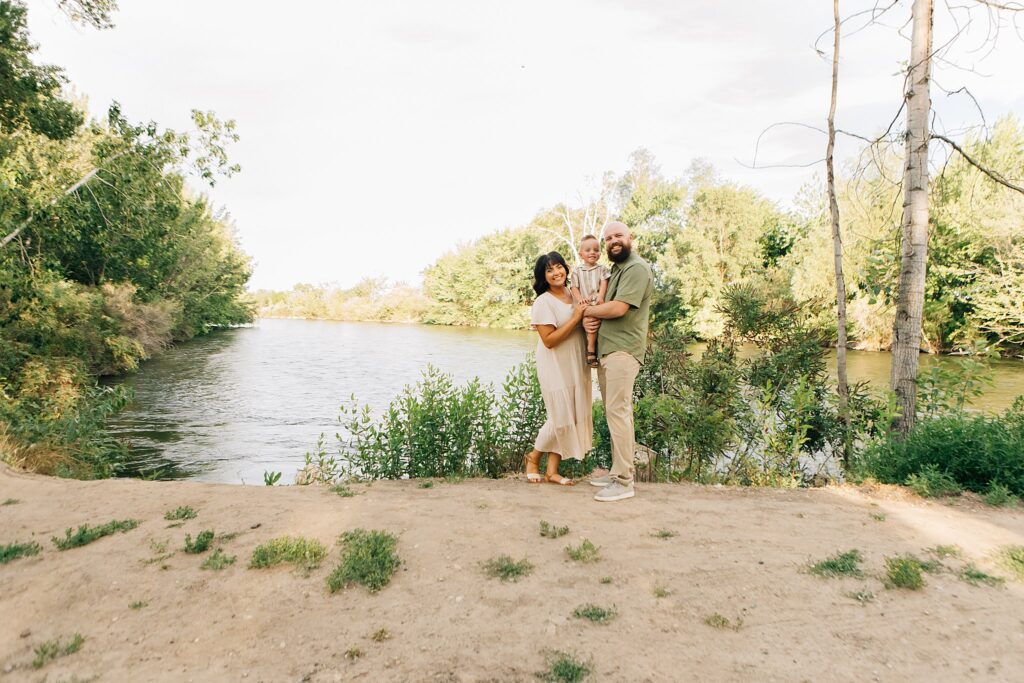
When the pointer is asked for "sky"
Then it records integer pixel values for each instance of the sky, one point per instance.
(378, 135)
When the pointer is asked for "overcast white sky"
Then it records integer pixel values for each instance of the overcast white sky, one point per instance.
(377, 135)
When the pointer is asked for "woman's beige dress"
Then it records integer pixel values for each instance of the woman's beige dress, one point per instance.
(564, 382)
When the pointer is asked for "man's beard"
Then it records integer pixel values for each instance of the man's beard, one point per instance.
(623, 254)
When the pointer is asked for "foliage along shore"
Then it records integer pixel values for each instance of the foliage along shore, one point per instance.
(106, 257)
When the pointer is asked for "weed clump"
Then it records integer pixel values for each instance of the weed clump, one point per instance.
(53, 649)
(201, 544)
(353, 653)
(660, 591)
(606, 579)
(10, 501)
(552, 531)
(86, 534)
(369, 559)
(841, 564)
(584, 552)
(218, 560)
(342, 490)
(180, 513)
(976, 577)
(944, 551)
(505, 568)
(301, 552)
(595, 613)
(13, 551)
(1013, 559)
(380, 635)
(665, 533)
(565, 668)
(863, 597)
(426, 484)
(716, 620)
(138, 604)
(906, 572)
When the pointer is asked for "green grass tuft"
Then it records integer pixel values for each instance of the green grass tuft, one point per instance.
(552, 531)
(595, 613)
(505, 568)
(976, 577)
(86, 534)
(660, 591)
(368, 558)
(999, 496)
(218, 560)
(1012, 558)
(10, 501)
(584, 552)
(944, 551)
(201, 544)
(841, 564)
(12, 551)
(353, 653)
(301, 552)
(53, 649)
(343, 490)
(427, 484)
(380, 635)
(718, 621)
(878, 516)
(138, 604)
(182, 512)
(565, 668)
(606, 579)
(664, 533)
(906, 572)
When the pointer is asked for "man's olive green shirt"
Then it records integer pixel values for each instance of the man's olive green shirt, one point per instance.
(632, 283)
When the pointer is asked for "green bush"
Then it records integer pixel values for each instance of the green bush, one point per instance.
(975, 451)
(302, 552)
(931, 482)
(13, 551)
(86, 534)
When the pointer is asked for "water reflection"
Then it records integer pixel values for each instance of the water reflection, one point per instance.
(229, 406)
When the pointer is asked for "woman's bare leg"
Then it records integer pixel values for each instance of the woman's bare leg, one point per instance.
(533, 466)
(552, 474)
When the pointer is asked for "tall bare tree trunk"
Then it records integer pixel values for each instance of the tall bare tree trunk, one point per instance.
(906, 338)
(837, 245)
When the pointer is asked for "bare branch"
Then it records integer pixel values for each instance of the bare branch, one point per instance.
(994, 175)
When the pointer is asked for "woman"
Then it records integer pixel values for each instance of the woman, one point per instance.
(561, 367)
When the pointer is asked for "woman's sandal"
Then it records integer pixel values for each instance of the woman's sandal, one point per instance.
(592, 360)
(560, 480)
(533, 477)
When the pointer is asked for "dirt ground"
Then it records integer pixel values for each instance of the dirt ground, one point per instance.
(739, 553)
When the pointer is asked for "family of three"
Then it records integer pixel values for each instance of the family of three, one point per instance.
(595, 318)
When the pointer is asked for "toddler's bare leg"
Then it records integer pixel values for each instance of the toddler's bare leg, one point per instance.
(591, 342)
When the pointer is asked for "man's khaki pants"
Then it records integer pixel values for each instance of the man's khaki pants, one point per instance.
(616, 376)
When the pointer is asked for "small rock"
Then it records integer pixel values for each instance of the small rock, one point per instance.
(282, 645)
(458, 599)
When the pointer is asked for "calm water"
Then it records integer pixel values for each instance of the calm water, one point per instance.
(232, 405)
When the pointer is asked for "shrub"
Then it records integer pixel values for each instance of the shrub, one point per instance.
(565, 668)
(931, 482)
(906, 572)
(86, 534)
(301, 552)
(218, 560)
(595, 613)
(1012, 557)
(976, 451)
(552, 531)
(999, 496)
(368, 558)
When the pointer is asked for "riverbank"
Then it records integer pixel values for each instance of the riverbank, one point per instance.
(147, 611)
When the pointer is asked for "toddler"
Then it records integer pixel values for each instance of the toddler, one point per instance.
(589, 282)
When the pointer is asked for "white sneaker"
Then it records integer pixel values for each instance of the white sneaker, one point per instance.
(614, 491)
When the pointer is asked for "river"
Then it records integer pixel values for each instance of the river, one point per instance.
(229, 406)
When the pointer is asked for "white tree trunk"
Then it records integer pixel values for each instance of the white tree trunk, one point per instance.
(913, 259)
(837, 244)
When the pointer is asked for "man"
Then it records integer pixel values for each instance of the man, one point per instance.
(621, 325)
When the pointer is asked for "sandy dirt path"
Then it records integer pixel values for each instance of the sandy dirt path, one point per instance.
(741, 553)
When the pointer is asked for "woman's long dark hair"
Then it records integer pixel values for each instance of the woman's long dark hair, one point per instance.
(540, 283)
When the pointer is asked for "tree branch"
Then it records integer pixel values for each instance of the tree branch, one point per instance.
(994, 175)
